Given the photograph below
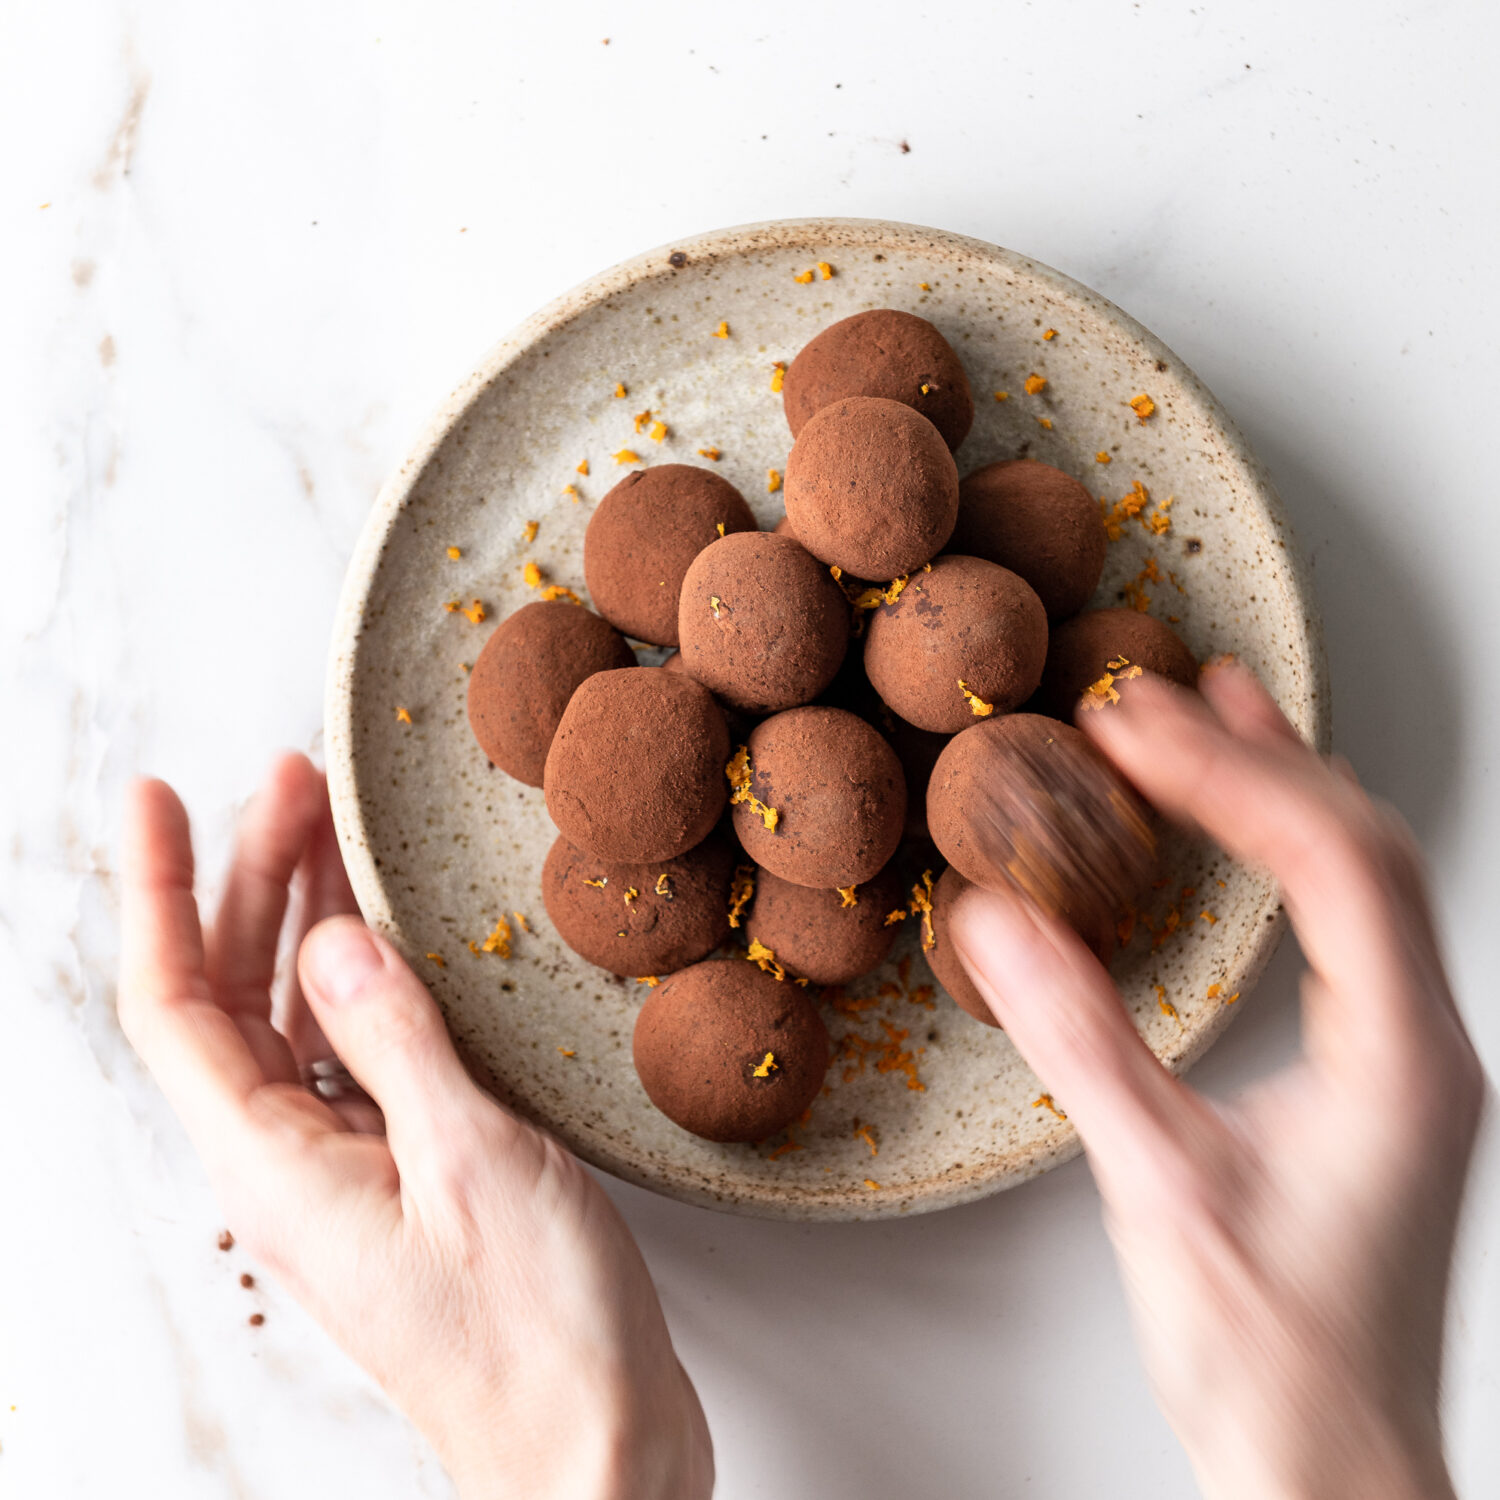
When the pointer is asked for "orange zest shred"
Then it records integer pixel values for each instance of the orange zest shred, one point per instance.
(631, 894)
(773, 481)
(498, 941)
(664, 886)
(1101, 457)
(765, 959)
(402, 716)
(1159, 523)
(1163, 1004)
(640, 419)
(620, 392)
(1045, 1101)
(568, 1051)
(1002, 395)
(560, 591)
(925, 388)
(1103, 691)
(922, 994)
(1143, 406)
(722, 331)
(922, 286)
(787, 1145)
(870, 1182)
(1209, 917)
(627, 456)
(1044, 422)
(1170, 923)
(658, 431)
(438, 959)
(894, 1058)
(921, 901)
(455, 553)
(847, 897)
(531, 529)
(766, 1066)
(474, 614)
(521, 921)
(719, 527)
(571, 491)
(649, 980)
(740, 776)
(874, 596)
(531, 576)
(977, 706)
(711, 454)
(862, 1133)
(1124, 509)
(778, 376)
(582, 467)
(598, 884)
(1035, 383)
(803, 277)
(1050, 334)
(825, 270)
(892, 917)
(741, 889)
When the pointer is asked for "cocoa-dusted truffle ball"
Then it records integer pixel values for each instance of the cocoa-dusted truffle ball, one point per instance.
(636, 769)
(962, 642)
(640, 919)
(942, 957)
(882, 353)
(525, 675)
(1026, 803)
(728, 1052)
(642, 538)
(1081, 650)
(1038, 522)
(918, 751)
(761, 621)
(833, 791)
(871, 488)
(829, 937)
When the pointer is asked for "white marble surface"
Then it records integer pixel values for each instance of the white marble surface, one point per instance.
(244, 249)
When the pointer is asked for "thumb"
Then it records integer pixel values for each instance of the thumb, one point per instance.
(387, 1030)
(1058, 1005)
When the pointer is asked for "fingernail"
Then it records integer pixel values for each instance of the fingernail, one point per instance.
(341, 958)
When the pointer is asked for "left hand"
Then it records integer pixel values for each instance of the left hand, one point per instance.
(460, 1254)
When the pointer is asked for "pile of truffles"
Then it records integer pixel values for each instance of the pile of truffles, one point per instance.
(896, 662)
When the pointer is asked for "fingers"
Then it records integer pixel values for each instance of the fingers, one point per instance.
(1222, 762)
(388, 1032)
(1059, 1007)
(272, 838)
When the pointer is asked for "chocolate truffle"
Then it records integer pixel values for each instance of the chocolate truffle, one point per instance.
(833, 791)
(962, 642)
(526, 673)
(784, 527)
(762, 623)
(1038, 522)
(1081, 650)
(882, 353)
(728, 1052)
(640, 919)
(871, 488)
(942, 957)
(829, 937)
(636, 769)
(1026, 803)
(642, 538)
(918, 751)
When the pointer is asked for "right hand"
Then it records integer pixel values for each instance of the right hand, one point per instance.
(1286, 1258)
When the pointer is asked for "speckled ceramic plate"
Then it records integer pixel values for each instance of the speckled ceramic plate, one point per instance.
(439, 845)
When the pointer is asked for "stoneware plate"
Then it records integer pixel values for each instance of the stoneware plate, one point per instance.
(924, 1107)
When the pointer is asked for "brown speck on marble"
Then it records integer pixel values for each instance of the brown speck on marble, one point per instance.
(226, 1240)
(256, 1319)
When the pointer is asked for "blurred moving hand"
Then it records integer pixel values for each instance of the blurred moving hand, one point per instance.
(461, 1256)
(1286, 1258)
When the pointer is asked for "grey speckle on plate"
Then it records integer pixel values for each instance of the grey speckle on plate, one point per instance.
(924, 1107)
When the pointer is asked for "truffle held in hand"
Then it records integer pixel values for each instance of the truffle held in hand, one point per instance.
(871, 488)
(644, 535)
(527, 672)
(822, 800)
(1116, 642)
(1026, 803)
(962, 642)
(881, 353)
(640, 919)
(728, 1052)
(1036, 521)
(829, 937)
(761, 621)
(636, 769)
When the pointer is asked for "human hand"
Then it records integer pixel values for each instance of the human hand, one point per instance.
(462, 1256)
(1285, 1257)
